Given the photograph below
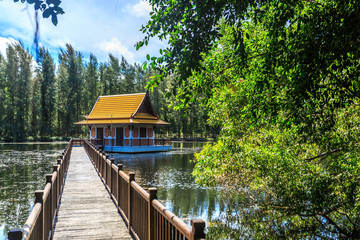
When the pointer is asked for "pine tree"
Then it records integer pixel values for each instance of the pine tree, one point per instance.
(61, 96)
(2, 93)
(114, 76)
(102, 80)
(91, 79)
(71, 60)
(139, 79)
(128, 76)
(47, 92)
(17, 94)
(23, 93)
(35, 106)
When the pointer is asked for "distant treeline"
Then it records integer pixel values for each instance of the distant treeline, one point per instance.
(44, 100)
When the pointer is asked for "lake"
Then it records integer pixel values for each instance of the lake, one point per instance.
(23, 168)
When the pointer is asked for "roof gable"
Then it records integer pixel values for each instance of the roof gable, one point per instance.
(145, 109)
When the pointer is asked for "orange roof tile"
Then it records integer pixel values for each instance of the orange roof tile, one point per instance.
(122, 109)
(116, 106)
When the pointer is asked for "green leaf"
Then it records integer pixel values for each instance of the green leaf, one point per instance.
(47, 13)
(54, 19)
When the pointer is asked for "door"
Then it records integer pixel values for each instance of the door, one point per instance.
(100, 136)
(120, 136)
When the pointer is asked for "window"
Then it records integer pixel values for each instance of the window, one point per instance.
(143, 132)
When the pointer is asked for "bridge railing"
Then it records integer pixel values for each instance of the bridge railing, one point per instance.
(146, 217)
(39, 225)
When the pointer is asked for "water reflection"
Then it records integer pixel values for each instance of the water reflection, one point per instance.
(170, 173)
(22, 171)
(23, 168)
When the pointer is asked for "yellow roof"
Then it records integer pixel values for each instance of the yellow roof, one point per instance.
(122, 121)
(122, 109)
(116, 106)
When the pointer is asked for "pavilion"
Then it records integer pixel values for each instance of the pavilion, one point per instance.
(125, 123)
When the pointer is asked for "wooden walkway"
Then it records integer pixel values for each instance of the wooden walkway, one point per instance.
(86, 210)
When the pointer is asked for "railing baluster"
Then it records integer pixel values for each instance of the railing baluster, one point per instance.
(131, 178)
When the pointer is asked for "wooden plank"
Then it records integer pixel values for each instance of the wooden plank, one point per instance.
(86, 210)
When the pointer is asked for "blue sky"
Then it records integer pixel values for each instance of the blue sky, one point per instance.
(97, 26)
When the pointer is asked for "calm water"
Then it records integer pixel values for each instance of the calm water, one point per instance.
(23, 168)
(170, 173)
(22, 171)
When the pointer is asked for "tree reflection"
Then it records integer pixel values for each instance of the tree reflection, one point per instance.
(22, 171)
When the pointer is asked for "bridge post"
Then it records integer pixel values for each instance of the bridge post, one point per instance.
(120, 167)
(198, 227)
(52, 208)
(131, 178)
(112, 160)
(15, 234)
(55, 169)
(39, 199)
(100, 158)
(152, 196)
(106, 168)
(60, 174)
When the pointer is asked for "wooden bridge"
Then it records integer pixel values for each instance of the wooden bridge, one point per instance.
(99, 201)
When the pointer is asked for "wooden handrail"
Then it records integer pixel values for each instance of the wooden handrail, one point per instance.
(140, 190)
(143, 218)
(41, 219)
(172, 218)
(31, 221)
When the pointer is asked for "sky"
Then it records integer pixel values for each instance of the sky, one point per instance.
(97, 26)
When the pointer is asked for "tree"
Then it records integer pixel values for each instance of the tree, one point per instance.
(47, 92)
(35, 106)
(2, 92)
(17, 95)
(71, 89)
(128, 75)
(114, 76)
(281, 78)
(91, 80)
(139, 79)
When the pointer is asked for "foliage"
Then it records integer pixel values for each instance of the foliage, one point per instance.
(43, 101)
(48, 7)
(72, 68)
(91, 79)
(16, 92)
(47, 92)
(281, 78)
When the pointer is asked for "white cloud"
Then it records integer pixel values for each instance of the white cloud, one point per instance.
(140, 9)
(115, 47)
(93, 26)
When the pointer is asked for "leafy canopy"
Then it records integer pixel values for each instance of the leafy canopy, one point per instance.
(48, 8)
(281, 78)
